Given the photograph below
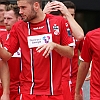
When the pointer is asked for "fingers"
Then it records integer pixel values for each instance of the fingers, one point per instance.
(47, 49)
(40, 48)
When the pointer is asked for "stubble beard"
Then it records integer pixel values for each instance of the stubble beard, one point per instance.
(31, 16)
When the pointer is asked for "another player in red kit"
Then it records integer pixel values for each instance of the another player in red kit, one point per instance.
(4, 71)
(90, 52)
(67, 10)
(11, 16)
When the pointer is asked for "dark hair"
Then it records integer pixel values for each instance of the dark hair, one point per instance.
(55, 12)
(13, 7)
(69, 4)
(32, 1)
(4, 2)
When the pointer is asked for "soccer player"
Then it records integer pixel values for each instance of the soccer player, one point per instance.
(43, 40)
(67, 10)
(4, 71)
(74, 62)
(11, 16)
(90, 52)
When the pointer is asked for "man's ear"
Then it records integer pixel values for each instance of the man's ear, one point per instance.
(19, 18)
(36, 6)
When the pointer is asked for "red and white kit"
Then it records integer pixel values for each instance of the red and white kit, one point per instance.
(40, 75)
(91, 52)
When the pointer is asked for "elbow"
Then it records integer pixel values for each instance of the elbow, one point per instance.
(6, 57)
(80, 36)
(71, 54)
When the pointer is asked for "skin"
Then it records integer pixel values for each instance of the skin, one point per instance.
(9, 19)
(82, 72)
(5, 77)
(2, 10)
(30, 13)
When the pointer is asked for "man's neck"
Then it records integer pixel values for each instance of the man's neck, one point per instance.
(40, 17)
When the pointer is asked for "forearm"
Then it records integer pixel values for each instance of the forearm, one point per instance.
(64, 50)
(77, 31)
(81, 75)
(5, 76)
(4, 54)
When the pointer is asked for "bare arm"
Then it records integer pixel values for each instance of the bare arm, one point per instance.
(82, 72)
(77, 31)
(62, 50)
(4, 54)
(5, 79)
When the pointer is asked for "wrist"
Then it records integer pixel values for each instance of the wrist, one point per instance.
(6, 92)
(55, 45)
(77, 92)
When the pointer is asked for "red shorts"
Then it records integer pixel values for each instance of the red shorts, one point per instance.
(14, 96)
(38, 97)
(66, 90)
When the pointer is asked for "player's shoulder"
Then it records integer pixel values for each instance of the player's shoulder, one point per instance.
(20, 24)
(94, 32)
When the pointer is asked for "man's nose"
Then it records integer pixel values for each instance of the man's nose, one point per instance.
(5, 21)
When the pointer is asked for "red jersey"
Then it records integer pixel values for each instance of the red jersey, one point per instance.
(14, 64)
(40, 75)
(91, 51)
(3, 34)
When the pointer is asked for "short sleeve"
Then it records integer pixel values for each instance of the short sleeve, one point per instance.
(65, 37)
(12, 43)
(86, 53)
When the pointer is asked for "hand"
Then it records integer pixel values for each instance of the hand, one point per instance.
(47, 48)
(5, 97)
(49, 7)
(60, 6)
(78, 97)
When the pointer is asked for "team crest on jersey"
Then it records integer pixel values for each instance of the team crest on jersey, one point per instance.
(56, 29)
(66, 24)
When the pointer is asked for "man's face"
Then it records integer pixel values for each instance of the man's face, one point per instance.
(2, 10)
(9, 19)
(26, 10)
